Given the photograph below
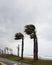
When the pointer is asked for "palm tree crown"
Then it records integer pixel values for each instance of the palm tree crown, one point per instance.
(29, 29)
(18, 36)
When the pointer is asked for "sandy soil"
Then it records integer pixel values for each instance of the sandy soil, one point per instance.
(1, 63)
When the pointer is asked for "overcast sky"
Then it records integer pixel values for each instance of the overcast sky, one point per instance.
(15, 14)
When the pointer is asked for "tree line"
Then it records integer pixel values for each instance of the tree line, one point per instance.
(31, 31)
(6, 50)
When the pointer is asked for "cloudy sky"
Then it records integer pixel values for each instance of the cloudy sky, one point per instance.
(15, 14)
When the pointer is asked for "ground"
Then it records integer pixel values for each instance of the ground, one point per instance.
(27, 60)
(1, 63)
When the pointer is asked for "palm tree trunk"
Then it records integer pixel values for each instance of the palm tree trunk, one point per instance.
(22, 47)
(35, 48)
(18, 50)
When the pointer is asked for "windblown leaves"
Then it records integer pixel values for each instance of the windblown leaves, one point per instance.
(29, 29)
(33, 35)
(18, 36)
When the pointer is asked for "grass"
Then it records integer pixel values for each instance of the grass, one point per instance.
(27, 60)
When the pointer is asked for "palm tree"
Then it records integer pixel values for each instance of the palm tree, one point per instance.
(4, 50)
(10, 50)
(30, 30)
(1, 51)
(19, 36)
(7, 50)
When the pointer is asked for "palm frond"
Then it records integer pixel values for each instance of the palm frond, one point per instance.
(29, 29)
(18, 36)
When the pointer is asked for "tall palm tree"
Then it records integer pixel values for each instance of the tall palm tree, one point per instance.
(30, 30)
(19, 36)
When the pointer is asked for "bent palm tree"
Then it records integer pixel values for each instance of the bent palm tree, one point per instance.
(19, 36)
(30, 30)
